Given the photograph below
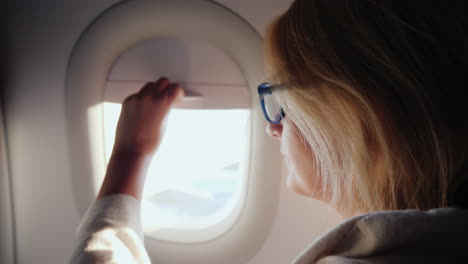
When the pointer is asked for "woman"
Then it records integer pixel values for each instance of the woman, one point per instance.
(370, 108)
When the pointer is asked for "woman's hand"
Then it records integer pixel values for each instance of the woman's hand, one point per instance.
(139, 133)
(142, 119)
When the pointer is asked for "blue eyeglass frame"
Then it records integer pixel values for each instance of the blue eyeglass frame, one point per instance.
(267, 88)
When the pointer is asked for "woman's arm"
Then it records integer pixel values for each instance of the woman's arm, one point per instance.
(111, 231)
(139, 133)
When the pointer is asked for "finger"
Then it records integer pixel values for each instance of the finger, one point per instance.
(146, 89)
(177, 93)
(154, 87)
(173, 92)
(163, 85)
(130, 98)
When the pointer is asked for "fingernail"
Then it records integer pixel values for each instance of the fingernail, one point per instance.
(180, 93)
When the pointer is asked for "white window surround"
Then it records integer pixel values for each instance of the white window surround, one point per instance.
(100, 45)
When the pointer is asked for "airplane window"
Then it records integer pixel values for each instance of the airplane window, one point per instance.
(202, 189)
(195, 178)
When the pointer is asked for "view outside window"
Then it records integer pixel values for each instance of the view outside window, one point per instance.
(196, 176)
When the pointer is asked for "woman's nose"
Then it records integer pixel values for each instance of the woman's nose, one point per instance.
(275, 130)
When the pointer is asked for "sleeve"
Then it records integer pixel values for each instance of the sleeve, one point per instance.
(111, 232)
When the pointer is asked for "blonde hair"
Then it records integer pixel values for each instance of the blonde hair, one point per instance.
(377, 89)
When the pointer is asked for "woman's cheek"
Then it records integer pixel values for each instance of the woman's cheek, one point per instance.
(300, 161)
(293, 180)
(302, 177)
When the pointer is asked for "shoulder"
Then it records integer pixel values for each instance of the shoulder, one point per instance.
(389, 234)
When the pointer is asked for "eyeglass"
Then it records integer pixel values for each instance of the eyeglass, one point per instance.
(271, 109)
